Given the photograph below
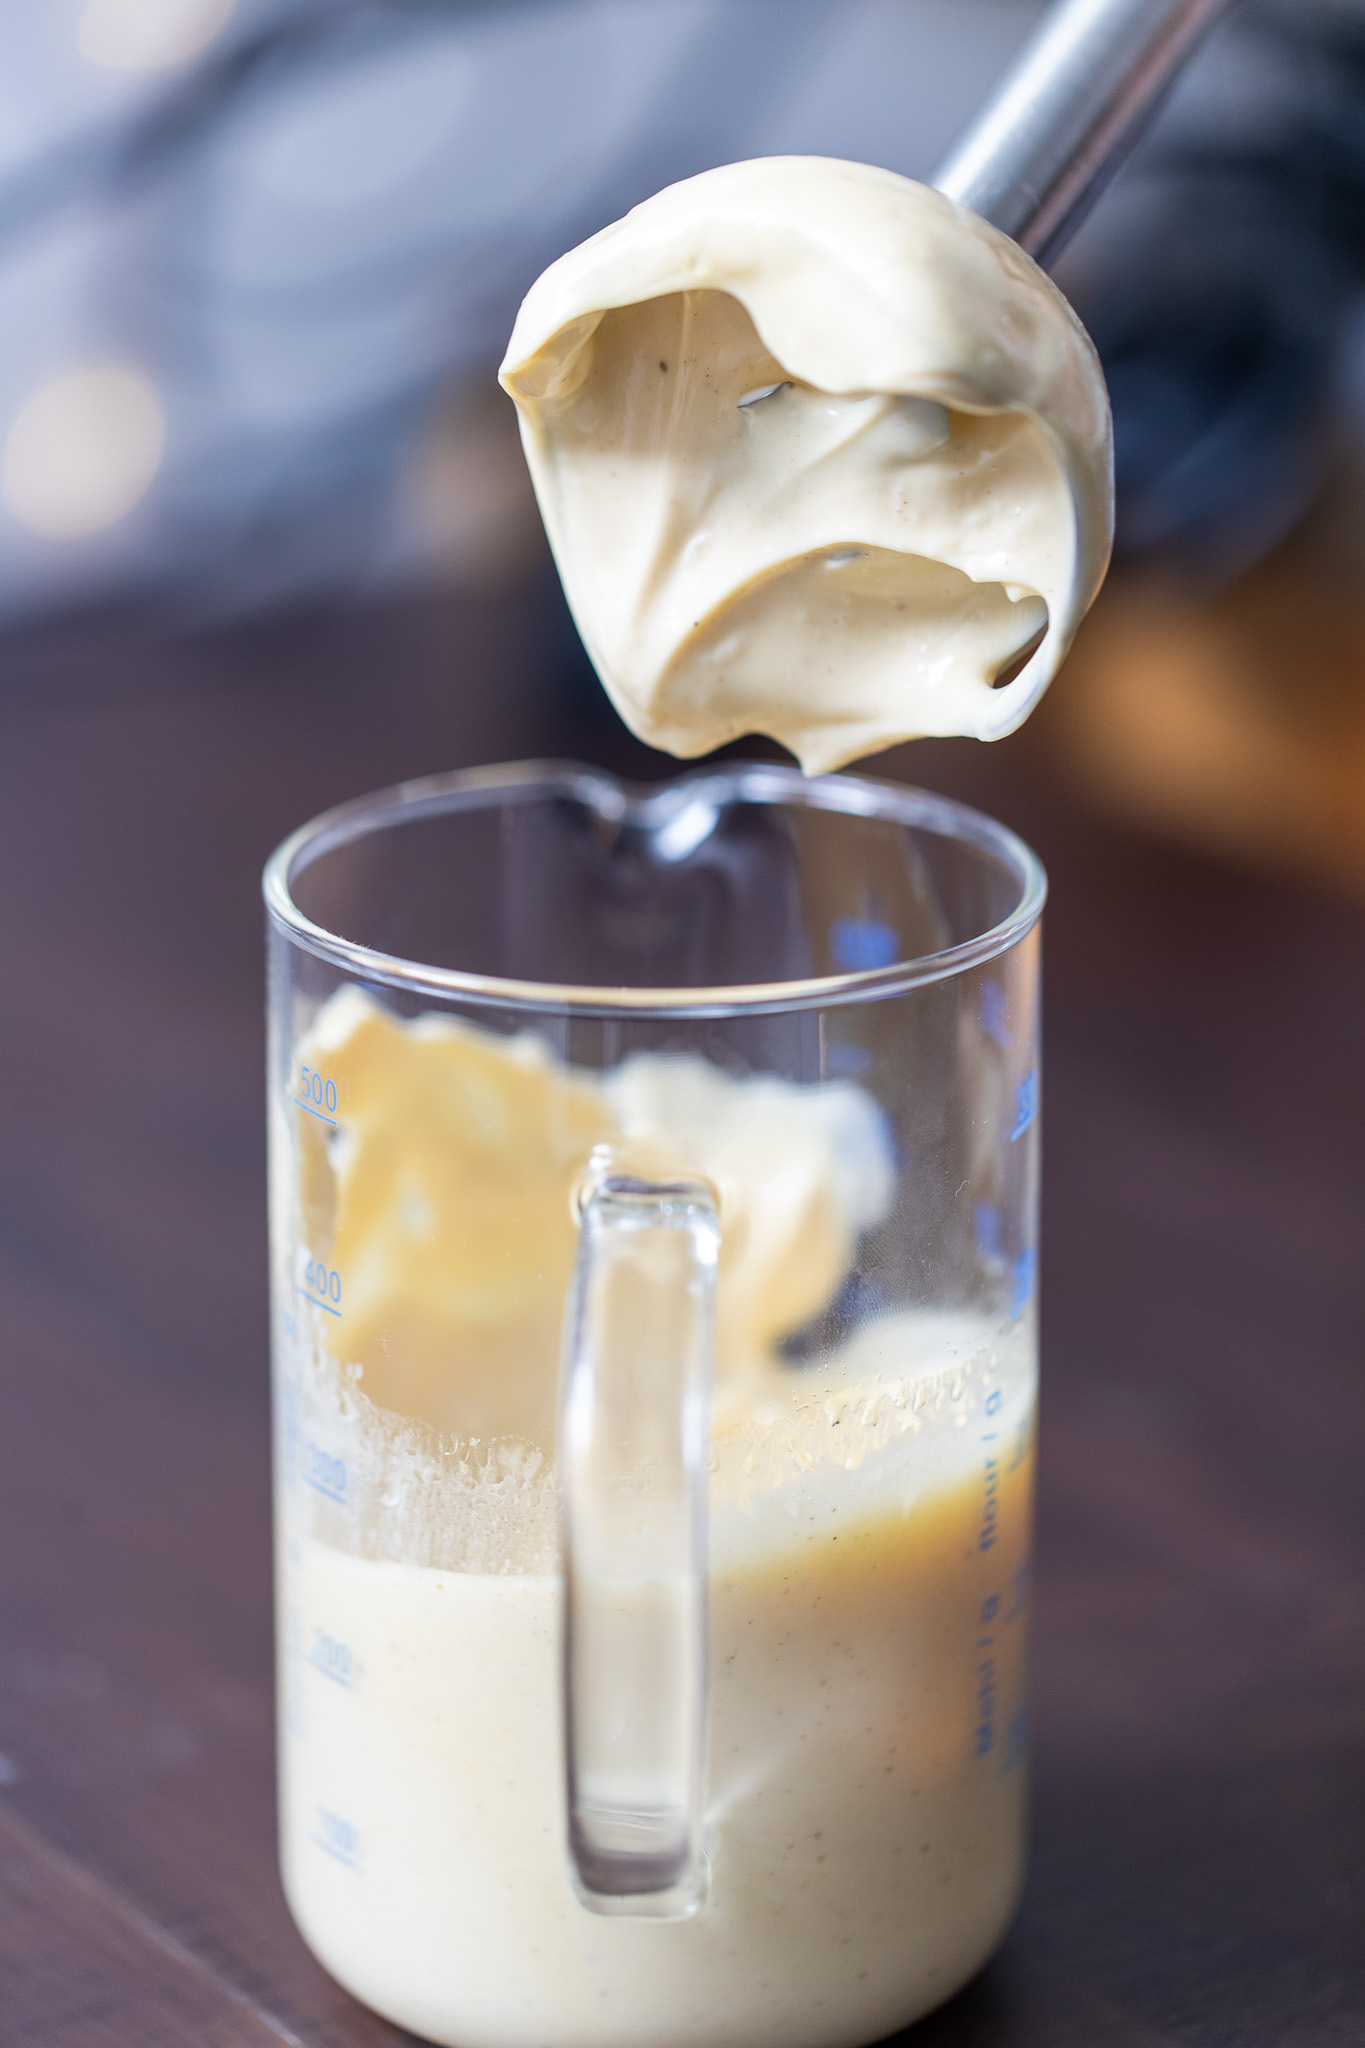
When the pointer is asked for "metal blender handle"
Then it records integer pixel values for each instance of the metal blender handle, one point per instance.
(1063, 120)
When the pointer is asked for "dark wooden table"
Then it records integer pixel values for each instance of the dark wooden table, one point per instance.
(1199, 1863)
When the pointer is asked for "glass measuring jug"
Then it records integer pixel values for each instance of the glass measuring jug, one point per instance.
(653, 1219)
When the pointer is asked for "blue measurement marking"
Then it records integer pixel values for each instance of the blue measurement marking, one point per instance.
(1025, 1280)
(325, 1474)
(316, 1303)
(336, 1837)
(1025, 1104)
(858, 944)
(320, 1114)
(321, 1486)
(985, 1732)
(1016, 1741)
(985, 1705)
(989, 1532)
(331, 1849)
(995, 1015)
(332, 1494)
(987, 1222)
(337, 1677)
(331, 1658)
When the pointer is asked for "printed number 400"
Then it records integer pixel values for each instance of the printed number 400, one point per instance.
(323, 1284)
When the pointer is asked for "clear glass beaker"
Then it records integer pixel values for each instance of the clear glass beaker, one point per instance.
(653, 1227)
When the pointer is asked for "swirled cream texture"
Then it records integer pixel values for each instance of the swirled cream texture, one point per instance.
(447, 1204)
(821, 455)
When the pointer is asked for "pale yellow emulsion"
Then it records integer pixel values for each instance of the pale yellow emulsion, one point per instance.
(820, 454)
(866, 1795)
(869, 1517)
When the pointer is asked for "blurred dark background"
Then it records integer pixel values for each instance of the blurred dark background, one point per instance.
(259, 258)
(266, 541)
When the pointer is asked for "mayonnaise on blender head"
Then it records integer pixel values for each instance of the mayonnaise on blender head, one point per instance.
(821, 455)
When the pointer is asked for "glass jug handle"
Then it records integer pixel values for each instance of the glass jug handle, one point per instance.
(634, 1441)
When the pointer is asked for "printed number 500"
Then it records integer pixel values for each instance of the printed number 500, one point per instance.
(318, 1089)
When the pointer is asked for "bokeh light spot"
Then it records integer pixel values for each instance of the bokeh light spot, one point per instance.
(148, 35)
(82, 451)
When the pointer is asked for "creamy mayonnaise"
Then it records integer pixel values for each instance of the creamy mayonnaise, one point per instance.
(869, 1525)
(864, 1818)
(821, 454)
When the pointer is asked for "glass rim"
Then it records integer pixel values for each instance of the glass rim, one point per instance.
(612, 798)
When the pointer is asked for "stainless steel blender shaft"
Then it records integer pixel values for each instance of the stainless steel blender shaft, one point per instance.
(1067, 115)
